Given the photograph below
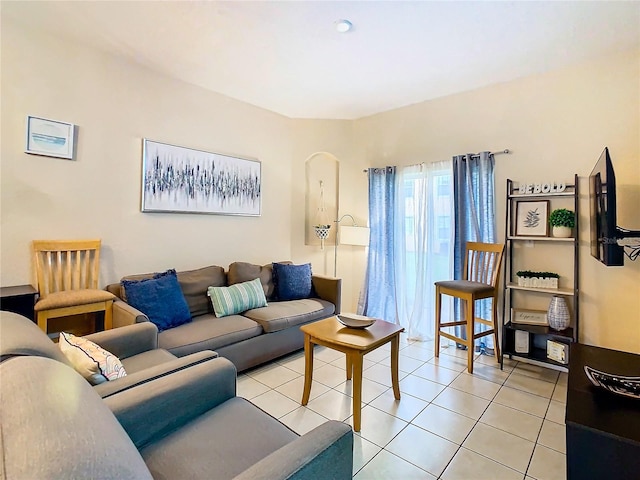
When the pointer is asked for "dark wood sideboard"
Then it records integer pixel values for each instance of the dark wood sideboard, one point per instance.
(19, 299)
(603, 429)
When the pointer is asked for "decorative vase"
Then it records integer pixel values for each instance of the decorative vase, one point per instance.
(561, 232)
(558, 314)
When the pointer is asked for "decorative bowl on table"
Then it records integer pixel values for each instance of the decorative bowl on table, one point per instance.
(619, 384)
(352, 320)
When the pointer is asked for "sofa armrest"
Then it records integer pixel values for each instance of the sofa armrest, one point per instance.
(115, 288)
(129, 340)
(106, 389)
(324, 452)
(153, 409)
(329, 289)
(125, 314)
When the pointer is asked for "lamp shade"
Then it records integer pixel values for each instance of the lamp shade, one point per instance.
(353, 235)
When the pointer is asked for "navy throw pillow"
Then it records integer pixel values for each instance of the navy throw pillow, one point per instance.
(292, 282)
(160, 298)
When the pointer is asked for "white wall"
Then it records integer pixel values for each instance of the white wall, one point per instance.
(115, 104)
(556, 124)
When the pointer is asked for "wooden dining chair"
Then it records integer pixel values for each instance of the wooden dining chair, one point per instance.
(67, 274)
(481, 276)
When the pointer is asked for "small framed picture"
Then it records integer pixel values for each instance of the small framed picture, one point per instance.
(532, 218)
(521, 341)
(50, 138)
(558, 351)
(529, 317)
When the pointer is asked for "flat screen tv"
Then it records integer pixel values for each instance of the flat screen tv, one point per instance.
(602, 197)
(608, 240)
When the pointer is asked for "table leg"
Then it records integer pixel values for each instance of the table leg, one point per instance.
(308, 368)
(395, 348)
(349, 366)
(356, 359)
(108, 316)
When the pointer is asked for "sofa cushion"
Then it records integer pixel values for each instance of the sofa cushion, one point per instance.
(292, 282)
(160, 298)
(242, 435)
(147, 359)
(207, 332)
(237, 298)
(71, 298)
(81, 440)
(280, 315)
(90, 360)
(243, 272)
(194, 284)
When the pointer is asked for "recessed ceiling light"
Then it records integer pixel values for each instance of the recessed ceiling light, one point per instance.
(343, 26)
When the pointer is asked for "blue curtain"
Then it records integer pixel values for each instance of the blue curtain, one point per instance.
(474, 218)
(378, 297)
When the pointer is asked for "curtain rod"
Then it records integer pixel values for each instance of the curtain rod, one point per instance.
(506, 150)
(476, 155)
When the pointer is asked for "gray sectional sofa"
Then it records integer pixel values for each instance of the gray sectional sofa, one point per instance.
(186, 423)
(247, 339)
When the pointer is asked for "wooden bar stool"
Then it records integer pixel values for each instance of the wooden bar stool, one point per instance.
(481, 276)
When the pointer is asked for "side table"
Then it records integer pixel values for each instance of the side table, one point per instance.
(355, 344)
(19, 299)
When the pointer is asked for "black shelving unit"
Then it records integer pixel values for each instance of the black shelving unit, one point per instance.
(568, 288)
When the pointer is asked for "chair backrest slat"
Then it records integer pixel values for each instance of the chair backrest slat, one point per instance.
(66, 265)
(77, 272)
(67, 285)
(482, 262)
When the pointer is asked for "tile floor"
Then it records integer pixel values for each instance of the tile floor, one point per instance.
(450, 425)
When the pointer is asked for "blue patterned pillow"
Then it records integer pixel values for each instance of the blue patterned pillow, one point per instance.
(292, 282)
(160, 298)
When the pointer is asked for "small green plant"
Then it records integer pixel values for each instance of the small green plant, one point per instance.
(562, 217)
(530, 274)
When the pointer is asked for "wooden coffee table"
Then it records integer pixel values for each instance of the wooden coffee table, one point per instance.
(355, 344)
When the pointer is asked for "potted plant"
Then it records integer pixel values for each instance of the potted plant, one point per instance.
(562, 221)
(527, 278)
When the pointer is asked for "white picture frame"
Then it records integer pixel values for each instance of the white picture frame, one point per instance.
(529, 317)
(532, 219)
(50, 138)
(184, 180)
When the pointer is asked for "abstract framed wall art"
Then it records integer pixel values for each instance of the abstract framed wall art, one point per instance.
(50, 138)
(183, 180)
(532, 219)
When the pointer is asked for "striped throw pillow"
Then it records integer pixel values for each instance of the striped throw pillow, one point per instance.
(237, 298)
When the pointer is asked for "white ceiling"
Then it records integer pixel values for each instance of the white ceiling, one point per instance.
(287, 57)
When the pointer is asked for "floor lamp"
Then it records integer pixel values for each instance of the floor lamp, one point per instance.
(348, 235)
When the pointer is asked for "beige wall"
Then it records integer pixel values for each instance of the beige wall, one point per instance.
(334, 137)
(556, 125)
(115, 104)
